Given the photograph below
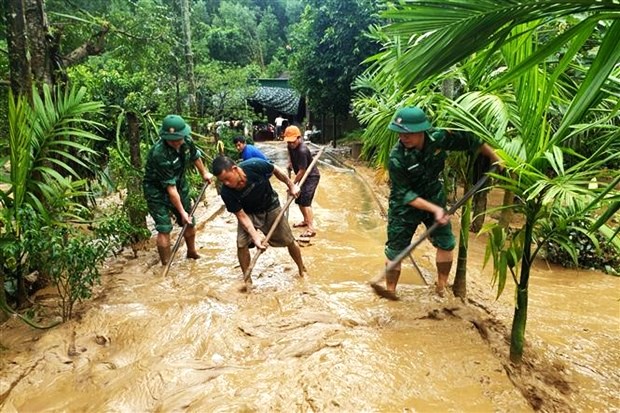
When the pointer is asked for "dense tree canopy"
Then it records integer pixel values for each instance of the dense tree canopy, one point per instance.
(328, 49)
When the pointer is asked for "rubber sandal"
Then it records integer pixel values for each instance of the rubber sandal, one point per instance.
(308, 234)
(300, 225)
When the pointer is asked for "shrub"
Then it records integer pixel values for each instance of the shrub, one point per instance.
(588, 250)
(70, 257)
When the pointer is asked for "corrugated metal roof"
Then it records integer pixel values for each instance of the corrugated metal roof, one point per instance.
(282, 99)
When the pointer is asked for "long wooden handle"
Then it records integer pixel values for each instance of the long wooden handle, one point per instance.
(180, 237)
(247, 276)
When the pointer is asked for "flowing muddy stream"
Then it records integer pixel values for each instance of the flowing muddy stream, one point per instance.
(193, 342)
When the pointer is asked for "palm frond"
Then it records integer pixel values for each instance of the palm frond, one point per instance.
(603, 65)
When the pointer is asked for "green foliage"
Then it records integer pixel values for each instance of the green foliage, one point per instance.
(329, 46)
(70, 258)
(12, 242)
(46, 140)
(573, 245)
(505, 247)
(244, 34)
(352, 136)
(525, 100)
(114, 226)
(223, 90)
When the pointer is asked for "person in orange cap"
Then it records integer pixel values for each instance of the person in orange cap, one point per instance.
(301, 158)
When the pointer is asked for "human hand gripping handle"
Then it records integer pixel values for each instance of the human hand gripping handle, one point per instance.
(294, 190)
(441, 216)
(293, 193)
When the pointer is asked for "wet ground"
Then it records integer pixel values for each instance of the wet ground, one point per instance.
(192, 342)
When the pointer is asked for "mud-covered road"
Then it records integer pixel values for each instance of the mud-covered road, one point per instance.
(192, 342)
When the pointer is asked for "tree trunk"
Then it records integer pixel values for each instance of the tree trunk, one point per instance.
(447, 88)
(459, 288)
(136, 215)
(481, 166)
(19, 63)
(40, 47)
(21, 293)
(33, 53)
(333, 128)
(134, 140)
(479, 206)
(29, 48)
(517, 335)
(177, 84)
(506, 214)
(189, 56)
(4, 315)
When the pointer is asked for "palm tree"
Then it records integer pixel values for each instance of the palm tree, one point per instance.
(45, 138)
(549, 102)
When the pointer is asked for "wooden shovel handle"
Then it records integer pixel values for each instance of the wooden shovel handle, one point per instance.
(247, 276)
(180, 237)
(404, 253)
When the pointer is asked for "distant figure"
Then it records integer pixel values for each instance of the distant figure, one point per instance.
(279, 121)
(301, 158)
(247, 150)
(310, 131)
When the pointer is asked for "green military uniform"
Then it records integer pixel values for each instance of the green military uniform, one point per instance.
(414, 174)
(164, 167)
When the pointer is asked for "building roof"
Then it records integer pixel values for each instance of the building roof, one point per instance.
(277, 94)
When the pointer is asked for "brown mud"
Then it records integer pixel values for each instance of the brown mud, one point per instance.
(192, 342)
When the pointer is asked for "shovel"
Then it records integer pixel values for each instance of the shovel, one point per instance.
(374, 283)
(180, 237)
(247, 276)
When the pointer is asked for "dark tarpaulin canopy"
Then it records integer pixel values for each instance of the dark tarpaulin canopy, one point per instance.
(276, 94)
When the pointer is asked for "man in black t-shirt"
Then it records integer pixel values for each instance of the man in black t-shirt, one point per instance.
(247, 193)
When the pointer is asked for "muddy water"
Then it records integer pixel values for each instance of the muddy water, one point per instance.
(192, 341)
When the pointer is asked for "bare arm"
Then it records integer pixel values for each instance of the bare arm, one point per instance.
(283, 177)
(206, 176)
(487, 151)
(300, 174)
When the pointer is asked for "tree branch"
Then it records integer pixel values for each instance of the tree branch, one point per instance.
(93, 47)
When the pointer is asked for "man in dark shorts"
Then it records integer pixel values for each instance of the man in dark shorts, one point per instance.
(247, 193)
(417, 194)
(301, 158)
(165, 186)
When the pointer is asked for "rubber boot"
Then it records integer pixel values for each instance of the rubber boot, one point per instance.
(164, 254)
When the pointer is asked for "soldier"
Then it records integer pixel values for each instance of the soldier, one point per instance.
(417, 194)
(165, 186)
